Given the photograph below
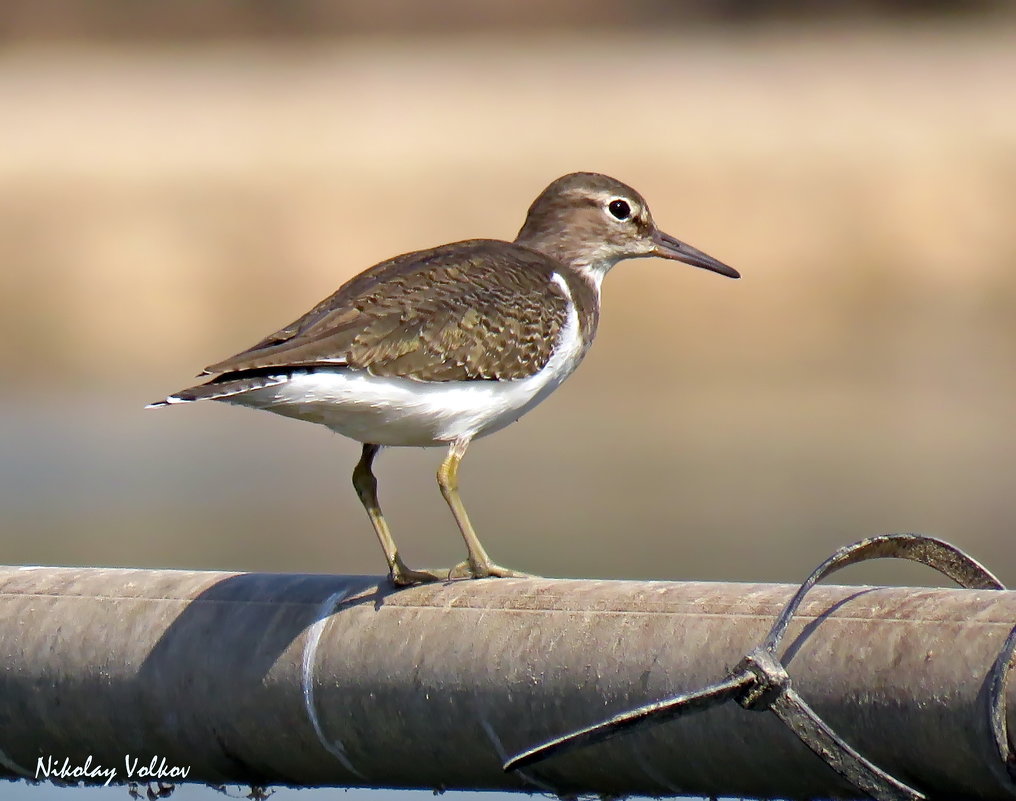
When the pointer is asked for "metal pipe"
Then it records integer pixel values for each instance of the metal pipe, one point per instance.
(338, 680)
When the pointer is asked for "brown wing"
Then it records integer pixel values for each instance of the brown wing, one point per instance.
(469, 311)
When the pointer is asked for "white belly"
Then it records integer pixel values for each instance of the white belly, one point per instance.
(400, 411)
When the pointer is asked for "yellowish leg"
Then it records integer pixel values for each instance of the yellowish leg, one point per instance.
(478, 564)
(366, 488)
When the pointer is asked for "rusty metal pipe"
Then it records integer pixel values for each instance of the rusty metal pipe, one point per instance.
(331, 680)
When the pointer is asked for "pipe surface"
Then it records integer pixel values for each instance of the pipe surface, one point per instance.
(336, 680)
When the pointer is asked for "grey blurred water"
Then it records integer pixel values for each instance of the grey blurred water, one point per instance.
(755, 488)
(23, 791)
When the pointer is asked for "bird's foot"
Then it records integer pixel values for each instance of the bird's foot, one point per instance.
(402, 576)
(469, 569)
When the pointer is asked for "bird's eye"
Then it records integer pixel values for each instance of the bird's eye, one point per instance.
(619, 208)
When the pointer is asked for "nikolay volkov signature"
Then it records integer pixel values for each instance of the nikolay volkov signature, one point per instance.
(50, 767)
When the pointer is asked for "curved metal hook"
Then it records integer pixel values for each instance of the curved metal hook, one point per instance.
(760, 681)
(937, 554)
(996, 704)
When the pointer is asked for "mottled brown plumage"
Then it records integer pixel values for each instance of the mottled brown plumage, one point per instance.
(474, 310)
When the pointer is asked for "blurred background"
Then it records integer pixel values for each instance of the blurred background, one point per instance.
(179, 179)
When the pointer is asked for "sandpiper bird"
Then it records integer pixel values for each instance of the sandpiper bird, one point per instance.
(442, 346)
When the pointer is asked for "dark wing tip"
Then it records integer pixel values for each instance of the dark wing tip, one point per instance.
(170, 401)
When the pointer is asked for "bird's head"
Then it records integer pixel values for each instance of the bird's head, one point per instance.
(592, 221)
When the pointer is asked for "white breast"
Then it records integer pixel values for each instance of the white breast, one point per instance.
(400, 411)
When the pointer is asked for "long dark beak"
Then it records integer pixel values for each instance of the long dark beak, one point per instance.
(669, 248)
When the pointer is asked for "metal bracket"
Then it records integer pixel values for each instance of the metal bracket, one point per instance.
(760, 681)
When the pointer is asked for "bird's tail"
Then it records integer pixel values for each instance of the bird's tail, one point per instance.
(224, 386)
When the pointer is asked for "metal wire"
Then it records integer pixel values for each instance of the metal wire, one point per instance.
(760, 681)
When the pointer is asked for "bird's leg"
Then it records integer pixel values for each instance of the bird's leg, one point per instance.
(478, 564)
(366, 488)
